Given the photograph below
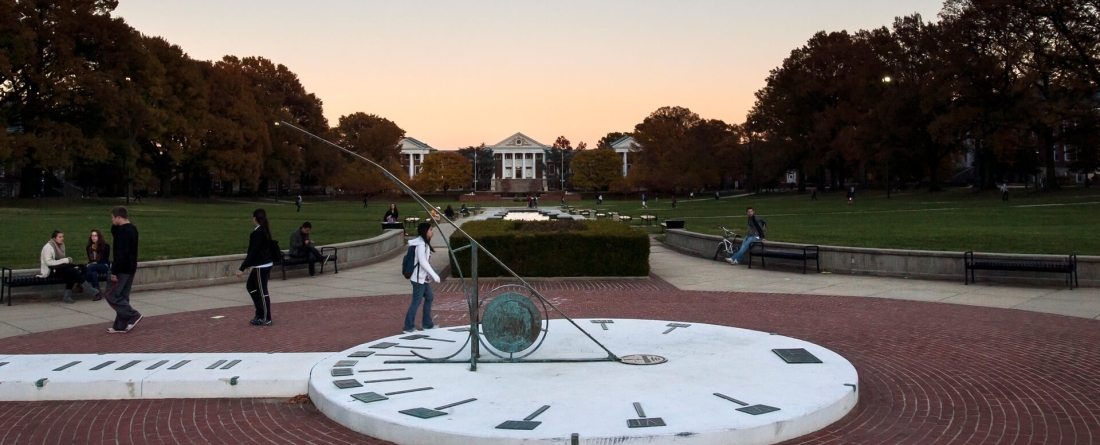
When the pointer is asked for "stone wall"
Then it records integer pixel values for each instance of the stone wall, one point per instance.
(918, 264)
(205, 271)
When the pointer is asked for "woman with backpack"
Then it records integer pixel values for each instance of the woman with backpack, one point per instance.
(260, 260)
(421, 249)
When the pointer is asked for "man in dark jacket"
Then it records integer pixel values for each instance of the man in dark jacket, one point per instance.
(755, 235)
(122, 271)
(302, 247)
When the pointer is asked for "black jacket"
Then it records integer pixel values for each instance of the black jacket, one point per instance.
(259, 251)
(104, 257)
(126, 249)
(396, 216)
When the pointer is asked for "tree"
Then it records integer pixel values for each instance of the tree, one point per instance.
(596, 169)
(374, 138)
(679, 150)
(443, 170)
(481, 157)
(556, 163)
(605, 142)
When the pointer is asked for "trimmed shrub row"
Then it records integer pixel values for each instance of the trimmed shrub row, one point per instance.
(555, 249)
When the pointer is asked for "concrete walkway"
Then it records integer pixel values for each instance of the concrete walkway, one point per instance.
(682, 271)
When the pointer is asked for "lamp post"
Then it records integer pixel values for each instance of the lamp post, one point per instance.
(562, 173)
(886, 80)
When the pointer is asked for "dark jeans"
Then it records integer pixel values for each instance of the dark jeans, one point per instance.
(420, 291)
(119, 299)
(91, 273)
(257, 289)
(314, 255)
(71, 274)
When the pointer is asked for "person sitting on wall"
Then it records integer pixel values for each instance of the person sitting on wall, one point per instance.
(464, 211)
(302, 247)
(391, 214)
(449, 212)
(54, 262)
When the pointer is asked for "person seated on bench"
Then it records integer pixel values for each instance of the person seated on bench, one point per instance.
(391, 215)
(464, 211)
(302, 247)
(449, 212)
(99, 261)
(755, 234)
(54, 262)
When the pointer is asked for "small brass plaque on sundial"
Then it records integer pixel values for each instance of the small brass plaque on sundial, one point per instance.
(643, 359)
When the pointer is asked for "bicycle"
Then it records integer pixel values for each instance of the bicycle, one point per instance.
(725, 247)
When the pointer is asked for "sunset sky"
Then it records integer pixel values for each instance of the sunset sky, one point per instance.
(453, 74)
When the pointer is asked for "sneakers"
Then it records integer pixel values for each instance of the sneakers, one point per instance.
(408, 331)
(266, 323)
(256, 321)
(111, 330)
(731, 261)
(131, 325)
(420, 329)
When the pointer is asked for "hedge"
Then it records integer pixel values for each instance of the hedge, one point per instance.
(555, 249)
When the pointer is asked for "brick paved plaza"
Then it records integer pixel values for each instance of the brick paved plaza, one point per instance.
(939, 363)
(929, 372)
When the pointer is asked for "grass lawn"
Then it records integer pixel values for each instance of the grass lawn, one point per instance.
(955, 220)
(179, 228)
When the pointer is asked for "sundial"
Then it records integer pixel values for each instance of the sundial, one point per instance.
(590, 383)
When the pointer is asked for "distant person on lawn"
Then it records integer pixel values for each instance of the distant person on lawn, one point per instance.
(302, 247)
(122, 271)
(755, 234)
(298, 202)
(1004, 191)
(54, 261)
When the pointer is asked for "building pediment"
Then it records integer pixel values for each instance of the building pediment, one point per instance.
(519, 141)
(625, 143)
(411, 145)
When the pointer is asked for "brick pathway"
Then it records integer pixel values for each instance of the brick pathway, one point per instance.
(929, 373)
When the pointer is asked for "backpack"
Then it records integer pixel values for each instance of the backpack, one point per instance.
(408, 264)
(276, 252)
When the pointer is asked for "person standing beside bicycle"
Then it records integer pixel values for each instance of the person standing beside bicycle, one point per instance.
(757, 228)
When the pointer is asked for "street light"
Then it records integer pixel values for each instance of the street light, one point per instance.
(886, 80)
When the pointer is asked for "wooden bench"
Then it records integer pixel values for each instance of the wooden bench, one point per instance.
(803, 254)
(294, 261)
(7, 281)
(1067, 266)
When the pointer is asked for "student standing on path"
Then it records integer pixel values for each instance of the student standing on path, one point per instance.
(122, 271)
(422, 288)
(755, 234)
(259, 259)
(298, 202)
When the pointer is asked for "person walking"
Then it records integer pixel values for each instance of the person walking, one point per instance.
(53, 261)
(1004, 191)
(365, 201)
(99, 261)
(716, 196)
(421, 287)
(259, 259)
(643, 202)
(674, 201)
(813, 194)
(125, 237)
(755, 234)
(298, 202)
(599, 199)
(851, 194)
(302, 247)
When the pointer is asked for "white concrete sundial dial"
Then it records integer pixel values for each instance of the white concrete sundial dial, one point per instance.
(673, 382)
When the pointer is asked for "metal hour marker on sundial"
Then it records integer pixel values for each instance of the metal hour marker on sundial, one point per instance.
(746, 408)
(528, 423)
(425, 413)
(643, 421)
(672, 326)
(603, 323)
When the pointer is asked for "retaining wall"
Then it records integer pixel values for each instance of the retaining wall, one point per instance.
(918, 264)
(205, 271)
